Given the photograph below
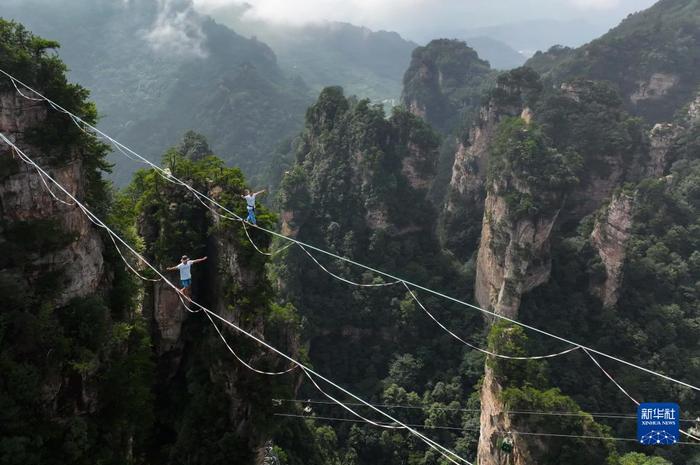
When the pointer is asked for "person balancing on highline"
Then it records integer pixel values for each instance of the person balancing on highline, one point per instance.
(185, 273)
(250, 204)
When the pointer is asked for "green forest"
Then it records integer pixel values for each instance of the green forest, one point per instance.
(420, 267)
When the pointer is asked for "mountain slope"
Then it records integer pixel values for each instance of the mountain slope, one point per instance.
(652, 57)
(159, 69)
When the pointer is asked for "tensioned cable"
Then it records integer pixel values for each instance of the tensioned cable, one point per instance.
(484, 351)
(628, 395)
(368, 268)
(458, 428)
(614, 416)
(448, 454)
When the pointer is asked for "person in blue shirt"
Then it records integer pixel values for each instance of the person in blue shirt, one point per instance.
(185, 266)
(250, 205)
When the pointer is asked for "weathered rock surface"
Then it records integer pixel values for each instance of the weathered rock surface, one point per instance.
(24, 197)
(609, 238)
(168, 315)
(513, 257)
(661, 140)
(658, 85)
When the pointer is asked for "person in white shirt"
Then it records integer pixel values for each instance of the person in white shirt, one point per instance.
(250, 204)
(185, 273)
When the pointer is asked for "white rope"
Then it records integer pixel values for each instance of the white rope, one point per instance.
(269, 254)
(611, 378)
(484, 351)
(25, 96)
(368, 268)
(440, 449)
(243, 362)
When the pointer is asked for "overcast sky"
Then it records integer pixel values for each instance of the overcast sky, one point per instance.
(417, 19)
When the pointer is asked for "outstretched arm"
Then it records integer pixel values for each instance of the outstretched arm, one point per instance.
(172, 268)
(260, 192)
(199, 260)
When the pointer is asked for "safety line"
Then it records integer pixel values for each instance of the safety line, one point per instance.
(484, 351)
(243, 362)
(368, 268)
(432, 444)
(611, 378)
(632, 398)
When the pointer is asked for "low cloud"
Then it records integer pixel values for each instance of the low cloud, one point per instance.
(178, 29)
(596, 4)
(298, 12)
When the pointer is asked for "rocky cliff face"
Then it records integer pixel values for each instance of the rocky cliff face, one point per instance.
(68, 324)
(513, 256)
(661, 140)
(25, 200)
(464, 204)
(609, 238)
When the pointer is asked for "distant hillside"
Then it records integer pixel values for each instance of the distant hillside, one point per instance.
(532, 35)
(364, 62)
(652, 57)
(156, 73)
(497, 53)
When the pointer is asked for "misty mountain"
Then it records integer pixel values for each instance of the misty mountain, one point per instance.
(158, 69)
(497, 53)
(364, 62)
